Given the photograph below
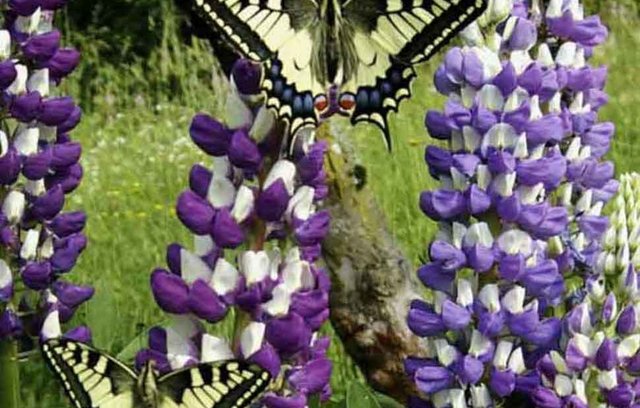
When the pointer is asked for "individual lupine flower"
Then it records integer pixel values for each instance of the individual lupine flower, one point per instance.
(39, 166)
(254, 201)
(522, 187)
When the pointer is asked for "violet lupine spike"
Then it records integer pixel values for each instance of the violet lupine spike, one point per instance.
(519, 206)
(250, 199)
(39, 167)
(597, 363)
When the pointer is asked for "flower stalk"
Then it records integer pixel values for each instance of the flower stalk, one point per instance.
(9, 374)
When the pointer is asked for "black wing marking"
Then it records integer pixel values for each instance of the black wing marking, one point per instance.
(229, 384)
(90, 378)
(400, 34)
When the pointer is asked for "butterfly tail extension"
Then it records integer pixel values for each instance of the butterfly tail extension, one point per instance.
(373, 103)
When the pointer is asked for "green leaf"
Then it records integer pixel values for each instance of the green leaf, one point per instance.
(128, 353)
(388, 402)
(360, 396)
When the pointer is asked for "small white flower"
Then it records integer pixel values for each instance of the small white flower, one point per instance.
(490, 297)
(238, 113)
(513, 300)
(301, 204)
(280, 302)
(5, 44)
(19, 85)
(5, 274)
(243, 205)
(263, 123)
(51, 326)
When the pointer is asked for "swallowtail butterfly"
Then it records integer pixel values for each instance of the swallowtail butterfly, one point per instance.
(93, 379)
(351, 57)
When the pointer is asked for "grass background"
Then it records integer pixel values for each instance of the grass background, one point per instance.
(141, 81)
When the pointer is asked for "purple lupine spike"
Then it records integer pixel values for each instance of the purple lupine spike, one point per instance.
(250, 200)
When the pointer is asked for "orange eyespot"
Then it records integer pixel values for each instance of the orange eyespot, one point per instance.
(321, 103)
(347, 102)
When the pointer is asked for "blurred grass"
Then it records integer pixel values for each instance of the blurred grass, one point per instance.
(139, 90)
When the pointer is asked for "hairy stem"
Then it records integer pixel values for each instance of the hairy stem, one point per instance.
(9, 374)
(372, 281)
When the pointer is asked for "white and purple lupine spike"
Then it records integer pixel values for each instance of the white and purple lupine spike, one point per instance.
(39, 166)
(251, 199)
(598, 361)
(522, 187)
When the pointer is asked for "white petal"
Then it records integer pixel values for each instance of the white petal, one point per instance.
(243, 206)
(203, 244)
(472, 139)
(221, 193)
(478, 233)
(516, 362)
(503, 183)
(457, 398)
(566, 54)
(446, 353)
(629, 346)
(255, 266)
(285, 171)
(35, 187)
(490, 97)
(225, 277)
(193, 267)
(19, 85)
(238, 114)
(13, 206)
(301, 204)
(558, 362)
(544, 56)
(4, 144)
(608, 379)
(490, 297)
(500, 135)
(251, 338)
(515, 242)
(30, 245)
(215, 349)
(563, 385)
(280, 302)
(26, 141)
(47, 249)
(465, 293)
(480, 397)
(51, 326)
(39, 82)
(5, 274)
(262, 125)
(483, 176)
(502, 353)
(5, 44)
(480, 344)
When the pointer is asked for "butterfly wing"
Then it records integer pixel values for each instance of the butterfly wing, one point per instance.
(390, 37)
(91, 379)
(230, 384)
(280, 35)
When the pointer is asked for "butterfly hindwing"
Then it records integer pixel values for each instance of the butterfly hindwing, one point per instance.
(391, 37)
(230, 384)
(90, 378)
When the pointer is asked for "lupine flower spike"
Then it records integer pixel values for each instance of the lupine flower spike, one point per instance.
(257, 229)
(39, 166)
(522, 187)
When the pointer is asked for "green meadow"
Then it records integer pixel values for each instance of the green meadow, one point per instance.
(140, 83)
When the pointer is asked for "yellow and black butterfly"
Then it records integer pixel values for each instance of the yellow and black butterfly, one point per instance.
(351, 57)
(93, 379)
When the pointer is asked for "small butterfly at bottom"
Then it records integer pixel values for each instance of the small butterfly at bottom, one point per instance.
(93, 379)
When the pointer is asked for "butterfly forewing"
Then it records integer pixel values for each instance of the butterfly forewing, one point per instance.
(89, 377)
(230, 384)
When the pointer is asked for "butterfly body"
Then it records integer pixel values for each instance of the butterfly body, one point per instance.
(92, 379)
(363, 51)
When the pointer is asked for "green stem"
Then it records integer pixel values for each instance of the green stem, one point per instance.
(9, 374)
